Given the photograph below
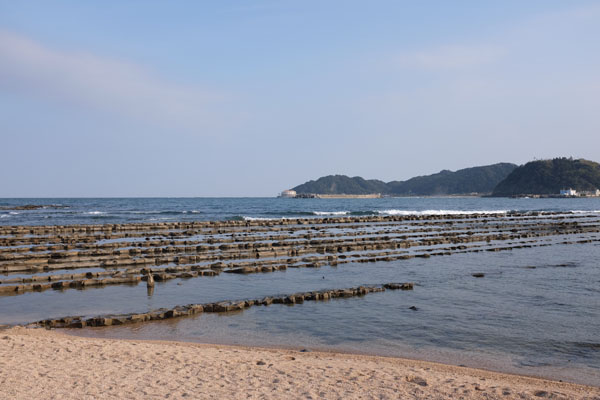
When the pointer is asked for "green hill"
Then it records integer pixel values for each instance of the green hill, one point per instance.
(341, 184)
(464, 181)
(480, 180)
(550, 177)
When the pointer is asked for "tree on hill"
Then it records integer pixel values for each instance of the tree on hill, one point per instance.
(464, 181)
(341, 184)
(550, 177)
(469, 180)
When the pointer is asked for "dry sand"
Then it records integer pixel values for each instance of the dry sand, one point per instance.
(41, 364)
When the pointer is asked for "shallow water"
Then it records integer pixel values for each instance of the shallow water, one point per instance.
(542, 321)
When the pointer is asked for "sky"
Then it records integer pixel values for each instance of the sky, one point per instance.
(249, 98)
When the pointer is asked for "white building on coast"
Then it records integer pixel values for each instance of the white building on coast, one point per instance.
(288, 194)
(568, 192)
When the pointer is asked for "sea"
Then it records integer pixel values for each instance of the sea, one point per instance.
(127, 210)
(536, 312)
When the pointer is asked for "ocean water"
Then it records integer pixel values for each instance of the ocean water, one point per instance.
(114, 210)
(542, 321)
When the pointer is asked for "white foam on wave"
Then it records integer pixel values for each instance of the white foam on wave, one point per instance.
(165, 211)
(320, 213)
(440, 212)
(264, 218)
(95, 212)
(259, 219)
(4, 216)
(585, 211)
(13, 213)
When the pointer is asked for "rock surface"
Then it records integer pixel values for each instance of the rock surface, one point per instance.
(219, 307)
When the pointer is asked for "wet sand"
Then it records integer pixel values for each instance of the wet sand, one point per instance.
(39, 363)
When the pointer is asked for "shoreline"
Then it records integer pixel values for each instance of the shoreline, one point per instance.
(470, 360)
(44, 363)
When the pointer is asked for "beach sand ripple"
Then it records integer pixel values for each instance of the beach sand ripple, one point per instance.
(37, 363)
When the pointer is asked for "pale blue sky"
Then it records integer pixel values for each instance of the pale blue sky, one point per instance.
(230, 98)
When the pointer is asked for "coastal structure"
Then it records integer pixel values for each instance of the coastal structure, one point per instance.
(584, 193)
(288, 194)
(568, 192)
(292, 194)
(348, 196)
(590, 193)
(337, 196)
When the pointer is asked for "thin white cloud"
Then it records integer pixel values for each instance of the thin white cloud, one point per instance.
(531, 89)
(546, 34)
(451, 57)
(85, 79)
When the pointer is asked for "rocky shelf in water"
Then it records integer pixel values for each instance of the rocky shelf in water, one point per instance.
(39, 258)
(33, 207)
(218, 307)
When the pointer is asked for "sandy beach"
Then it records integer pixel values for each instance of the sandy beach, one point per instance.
(39, 363)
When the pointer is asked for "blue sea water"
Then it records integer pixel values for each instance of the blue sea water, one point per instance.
(543, 321)
(124, 210)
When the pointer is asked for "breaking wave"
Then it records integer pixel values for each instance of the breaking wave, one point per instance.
(164, 212)
(324, 213)
(440, 212)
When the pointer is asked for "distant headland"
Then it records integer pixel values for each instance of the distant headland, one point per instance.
(558, 177)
